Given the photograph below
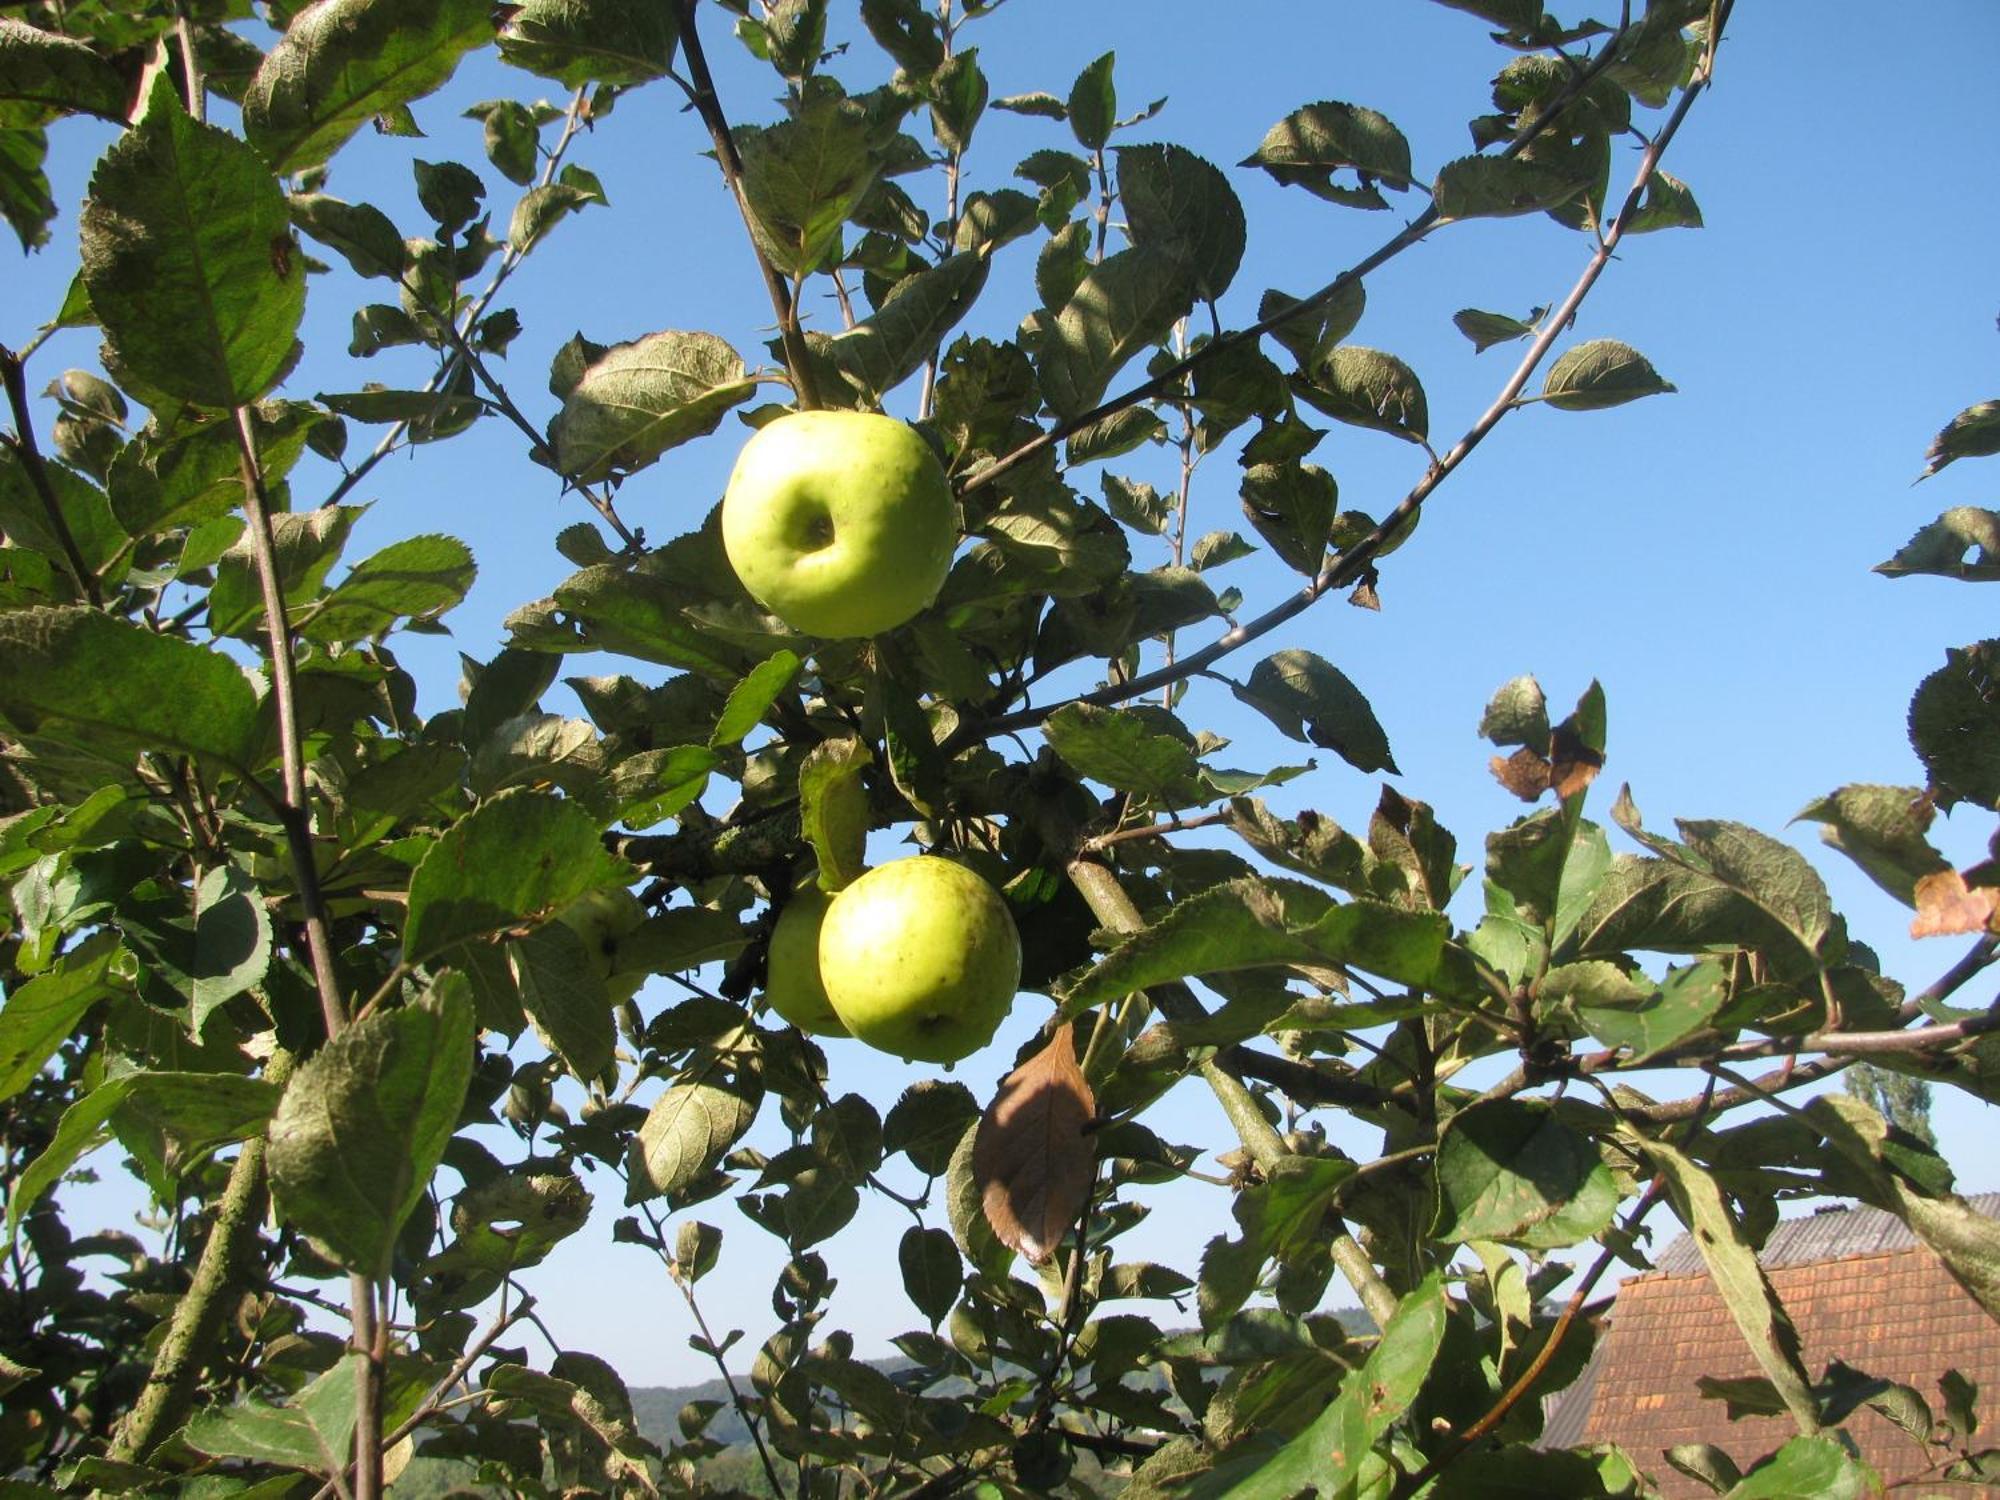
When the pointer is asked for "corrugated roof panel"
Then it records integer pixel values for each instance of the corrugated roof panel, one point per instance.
(1828, 1234)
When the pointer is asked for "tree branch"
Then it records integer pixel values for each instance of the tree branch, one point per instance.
(1525, 1382)
(708, 104)
(1353, 563)
(572, 122)
(294, 813)
(164, 1401)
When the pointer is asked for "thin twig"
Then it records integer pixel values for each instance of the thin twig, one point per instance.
(1353, 563)
(1525, 1382)
(23, 441)
(294, 813)
(708, 104)
(572, 122)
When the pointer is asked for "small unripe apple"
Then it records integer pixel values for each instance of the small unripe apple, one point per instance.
(603, 919)
(841, 523)
(920, 957)
(792, 985)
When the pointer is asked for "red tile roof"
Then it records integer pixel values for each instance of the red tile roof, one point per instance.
(1859, 1288)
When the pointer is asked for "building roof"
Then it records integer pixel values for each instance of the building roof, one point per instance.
(1830, 1233)
(1860, 1289)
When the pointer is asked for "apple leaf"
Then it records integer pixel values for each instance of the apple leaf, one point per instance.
(364, 1122)
(637, 400)
(833, 807)
(188, 254)
(1032, 1158)
(342, 63)
(520, 854)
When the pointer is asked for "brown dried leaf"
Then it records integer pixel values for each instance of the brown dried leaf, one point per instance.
(1945, 904)
(1525, 773)
(1031, 1159)
(1573, 764)
(1569, 767)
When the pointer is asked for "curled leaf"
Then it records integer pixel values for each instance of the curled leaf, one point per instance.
(1945, 904)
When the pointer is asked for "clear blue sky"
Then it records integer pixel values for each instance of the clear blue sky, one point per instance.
(1705, 555)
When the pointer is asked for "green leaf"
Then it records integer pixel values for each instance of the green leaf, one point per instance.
(928, 1121)
(1669, 204)
(1967, 1241)
(109, 688)
(341, 63)
(1332, 1454)
(513, 858)
(622, 43)
(931, 1274)
(1127, 303)
(907, 32)
(544, 206)
(44, 75)
(537, 750)
(1249, 923)
(1508, 1166)
(184, 1115)
(1292, 505)
(1312, 701)
(1955, 726)
(565, 997)
(1740, 1280)
(833, 809)
(1486, 329)
(168, 1122)
(1487, 187)
(1973, 433)
(416, 579)
(1646, 1019)
(1816, 1467)
(364, 1122)
(25, 199)
(1176, 202)
(100, 538)
(1601, 373)
(1093, 103)
(305, 546)
(752, 698)
(805, 176)
(1771, 875)
(360, 232)
(884, 349)
(1940, 547)
(39, 1015)
(687, 1132)
(1313, 144)
(652, 786)
(232, 940)
(637, 400)
(1126, 752)
(1883, 830)
(187, 251)
(957, 92)
(315, 1432)
(1368, 388)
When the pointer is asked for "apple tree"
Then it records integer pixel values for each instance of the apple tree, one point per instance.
(355, 992)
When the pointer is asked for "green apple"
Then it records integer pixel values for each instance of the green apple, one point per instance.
(841, 523)
(792, 985)
(604, 919)
(920, 957)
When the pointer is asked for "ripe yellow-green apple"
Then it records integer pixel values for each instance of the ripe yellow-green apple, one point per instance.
(603, 919)
(792, 985)
(920, 957)
(840, 523)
